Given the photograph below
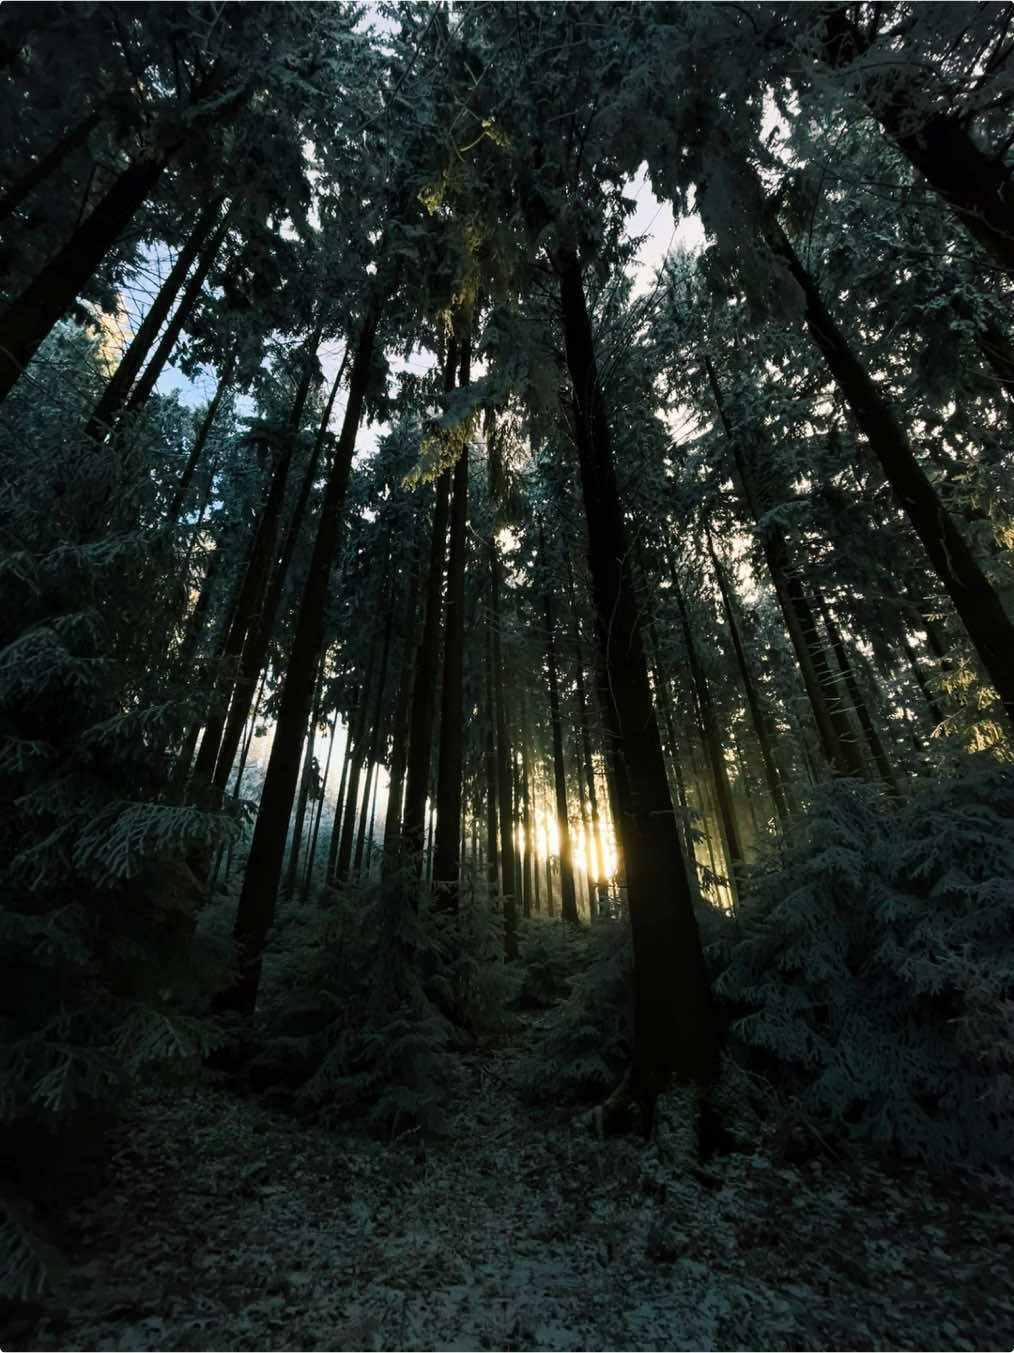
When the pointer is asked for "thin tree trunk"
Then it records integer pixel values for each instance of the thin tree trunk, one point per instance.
(200, 441)
(446, 860)
(568, 898)
(675, 1031)
(377, 724)
(587, 758)
(873, 739)
(141, 392)
(311, 854)
(417, 778)
(334, 840)
(400, 729)
(258, 636)
(975, 600)
(260, 886)
(304, 785)
(726, 813)
(118, 386)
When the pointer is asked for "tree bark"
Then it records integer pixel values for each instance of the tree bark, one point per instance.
(257, 900)
(400, 729)
(758, 717)
(675, 1032)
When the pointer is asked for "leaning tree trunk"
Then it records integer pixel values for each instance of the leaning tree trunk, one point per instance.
(260, 885)
(200, 441)
(31, 316)
(114, 396)
(141, 392)
(975, 600)
(675, 1031)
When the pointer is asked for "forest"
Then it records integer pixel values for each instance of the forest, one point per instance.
(506, 675)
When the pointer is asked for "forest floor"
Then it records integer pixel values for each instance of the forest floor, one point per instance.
(221, 1224)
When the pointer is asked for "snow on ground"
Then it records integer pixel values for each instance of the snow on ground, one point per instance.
(222, 1225)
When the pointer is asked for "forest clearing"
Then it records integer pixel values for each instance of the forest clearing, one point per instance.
(506, 675)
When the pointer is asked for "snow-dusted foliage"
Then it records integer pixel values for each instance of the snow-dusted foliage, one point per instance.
(366, 997)
(589, 1035)
(96, 899)
(872, 972)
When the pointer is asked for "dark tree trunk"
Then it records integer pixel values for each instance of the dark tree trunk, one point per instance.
(360, 736)
(420, 744)
(379, 683)
(304, 788)
(975, 600)
(504, 779)
(264, 864)
(311, 853)
(334, 841)
(200, 441)
(873, 740)
(400, 729)
(118, 387)
(212, 767)
(141, 392)
(31, 316)
(675, 1032)
(446, 859)
(568, 897)
(258, 636)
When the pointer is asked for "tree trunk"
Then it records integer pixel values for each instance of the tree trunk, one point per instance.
(417, 777)
(311, 853)
(257, 900)
(504, 779)
(400, 729)
(118, 387)
(446, 860)
(334, 841)
(211, 766)
(200, 441)
(675, 1031)
(258, 636)
(975, 600)
(304, 786)
(141, 392)
(31, 316)
(733, 846)
(568, 897)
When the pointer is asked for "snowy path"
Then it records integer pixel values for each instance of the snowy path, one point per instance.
(222, 1225)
